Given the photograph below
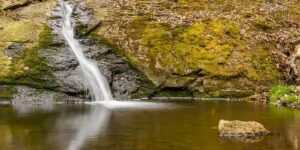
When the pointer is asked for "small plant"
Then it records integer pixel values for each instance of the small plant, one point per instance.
(6, 92)
(264, 26)
(283, 93)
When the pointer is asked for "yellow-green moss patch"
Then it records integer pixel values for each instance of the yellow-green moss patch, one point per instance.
(28, 66)
(20, 32)
(215, 47)
(7, 92)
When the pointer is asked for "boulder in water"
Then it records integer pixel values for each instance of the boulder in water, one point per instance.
(242, 129)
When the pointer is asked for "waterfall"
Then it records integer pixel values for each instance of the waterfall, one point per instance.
(94, 81)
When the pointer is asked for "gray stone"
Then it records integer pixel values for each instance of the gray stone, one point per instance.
(14, 49)
(27, 95)
(66, 70)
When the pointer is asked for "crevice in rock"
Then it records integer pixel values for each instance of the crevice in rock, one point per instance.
(16, 6)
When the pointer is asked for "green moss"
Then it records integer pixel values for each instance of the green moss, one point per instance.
(20, 32)
(45, 37)
(29, 64)
(283, 93)
(4, 60)
(7, 92)
(205, 46)
(169, 92)
(262, 63)
(232, 29)
(264, 26)
(81, 29)
(28, 67)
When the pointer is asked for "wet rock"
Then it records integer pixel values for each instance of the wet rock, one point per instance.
(14, 49)
(281, 103)
(60, 73)
(27, 100)
(27, 95)
(123, 85)
(244, 129)
(70, 81)
(93, 49)
(65, 66)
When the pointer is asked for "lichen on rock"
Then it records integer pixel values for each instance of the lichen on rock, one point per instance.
(238, 128)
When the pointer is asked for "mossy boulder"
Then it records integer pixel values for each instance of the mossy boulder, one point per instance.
(25, 66)
(206, 48)
(21, 41)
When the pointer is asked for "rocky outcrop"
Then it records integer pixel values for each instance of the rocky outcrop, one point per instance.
(35, 57)
(27, 95)
(215, 49)
(22, 36)
(124, 81)
(241, 129)
(150, 47)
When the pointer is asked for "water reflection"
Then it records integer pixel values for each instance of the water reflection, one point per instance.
(94, 122)
(89, 125)
(143, 126)
(73, 130)
(29, 108)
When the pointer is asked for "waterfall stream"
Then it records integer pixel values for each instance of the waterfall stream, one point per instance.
(94, 81)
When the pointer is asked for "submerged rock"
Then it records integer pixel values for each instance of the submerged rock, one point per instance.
(241, 129)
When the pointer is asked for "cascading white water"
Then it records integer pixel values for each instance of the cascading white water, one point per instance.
(94, 80)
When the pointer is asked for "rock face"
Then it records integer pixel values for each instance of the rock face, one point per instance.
(149, 47)
(243, 129)
(67, 72)
(35, 57)
(213, 49)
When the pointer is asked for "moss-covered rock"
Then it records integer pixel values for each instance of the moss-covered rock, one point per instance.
(7, 92)
(205, 42)
(211, 49)
(21, 43)
(27, 66)
(20, 32)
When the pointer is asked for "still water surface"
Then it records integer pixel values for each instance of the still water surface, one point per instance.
(143, 126)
